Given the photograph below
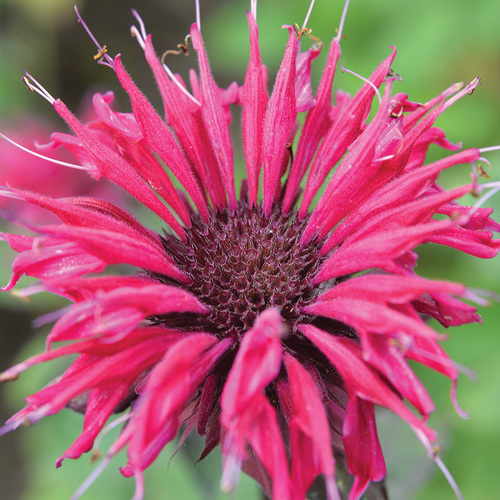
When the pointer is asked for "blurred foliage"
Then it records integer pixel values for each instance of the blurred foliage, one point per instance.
(439, 42)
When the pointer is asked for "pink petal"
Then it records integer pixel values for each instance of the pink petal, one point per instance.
(117, 312)
(278, 123)
(311, 447)
(254, 99)
(317, 123)
(361, 380)
(160, 139)
(213, 113)
(364, 454)
(47, 258)
(117, 248)
(116, 168)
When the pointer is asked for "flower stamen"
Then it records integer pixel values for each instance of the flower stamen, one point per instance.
(468, 89)
(182, 48)
(39, 89)
(306, 20)
(100, 48)
(366, 80)
(43, 157)
(342, 21)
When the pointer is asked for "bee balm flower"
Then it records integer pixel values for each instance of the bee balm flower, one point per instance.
(269, 324)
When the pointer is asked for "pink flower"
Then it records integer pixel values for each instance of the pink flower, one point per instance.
(269, 325)
(35, 173)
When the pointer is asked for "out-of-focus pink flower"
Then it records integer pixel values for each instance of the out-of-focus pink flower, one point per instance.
(268, 324)
(39, 173)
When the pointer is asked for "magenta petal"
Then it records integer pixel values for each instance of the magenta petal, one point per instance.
(309, 433)
(378, 250)
(116, 248)
(364, 454)
(169, 388)
(278, 123)
(159, 138)
(361, 380)
(343, 133)
(47, 258)
(254, 99)
(247, 416)
(115, 168)
(117, 312)
(184, 116)
(213, 113)
(317, 122)
(100, 406)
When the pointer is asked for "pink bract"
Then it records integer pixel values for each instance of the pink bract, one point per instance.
(266, 323)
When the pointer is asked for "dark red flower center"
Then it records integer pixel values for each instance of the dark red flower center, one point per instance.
(242, 263)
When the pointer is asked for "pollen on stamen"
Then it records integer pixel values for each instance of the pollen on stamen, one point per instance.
(105, 59)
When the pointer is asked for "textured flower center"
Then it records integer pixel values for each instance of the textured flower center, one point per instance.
(241, 264)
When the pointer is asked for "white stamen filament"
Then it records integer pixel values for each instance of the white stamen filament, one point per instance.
(137, 35)
(39, 89)
(139, 485)
(432, 453)
(483, 297)
(198, 15)
(491, 148)
(306, 20)
(92, 477)
(45, 319)
(181, 87)
(108, 428)
(144, 33)
(253, 8)
(43, 157)
(342, 20)
(140, 36)
(230, 473)
(495, 187)
(366, 80)
(28, 291)
(101, 49)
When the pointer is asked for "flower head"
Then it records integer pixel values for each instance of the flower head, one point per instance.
(268, 323)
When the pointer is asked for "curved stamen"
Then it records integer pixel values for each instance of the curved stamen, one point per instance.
(342, 20)
(448, 476)
(43, 157)
(144, 33)
(137, 35)
(101, 48)
(479, 170)
(140, 36)
(366, 80)
(108, 428)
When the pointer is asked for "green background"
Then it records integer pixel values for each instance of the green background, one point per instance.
(439, 42)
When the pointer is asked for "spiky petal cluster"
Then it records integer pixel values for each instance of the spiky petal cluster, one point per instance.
(283, 377)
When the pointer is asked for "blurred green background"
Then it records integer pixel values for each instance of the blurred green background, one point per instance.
(439, 42)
